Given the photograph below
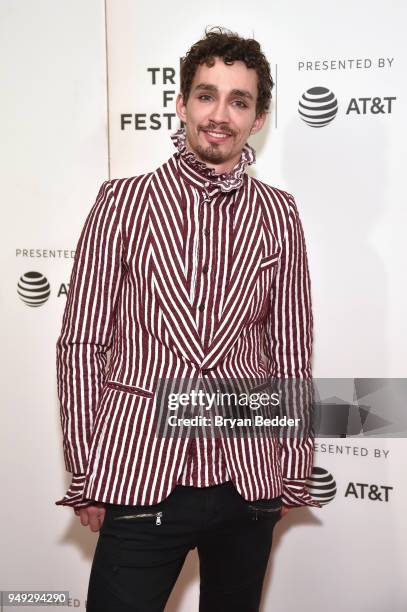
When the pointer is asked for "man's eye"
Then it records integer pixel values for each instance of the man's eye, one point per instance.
(240, 104)
(204, 97)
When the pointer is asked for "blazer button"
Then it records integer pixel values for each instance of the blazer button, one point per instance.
(201, 307)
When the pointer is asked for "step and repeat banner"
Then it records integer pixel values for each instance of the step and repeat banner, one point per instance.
(91, 95)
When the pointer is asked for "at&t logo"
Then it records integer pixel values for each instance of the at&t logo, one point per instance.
(321, 485)
(361, 490)
(33, 289)
(318, 106)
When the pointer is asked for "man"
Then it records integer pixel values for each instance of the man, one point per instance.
(194, 270)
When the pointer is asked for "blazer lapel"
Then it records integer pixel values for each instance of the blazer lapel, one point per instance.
(166, 231)
(247, 253)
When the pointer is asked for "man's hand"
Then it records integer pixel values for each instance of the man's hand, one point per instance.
(92, 515)
(284, 510)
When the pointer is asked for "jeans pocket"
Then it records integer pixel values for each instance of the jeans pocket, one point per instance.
(135, 517)
(266, 508)
(121, 515)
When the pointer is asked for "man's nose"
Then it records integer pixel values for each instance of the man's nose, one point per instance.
(220, 113)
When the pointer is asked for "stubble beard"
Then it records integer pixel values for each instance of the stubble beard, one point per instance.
(210, 154)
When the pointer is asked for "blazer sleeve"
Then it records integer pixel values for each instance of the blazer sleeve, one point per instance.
(87, 332)
(289, 338)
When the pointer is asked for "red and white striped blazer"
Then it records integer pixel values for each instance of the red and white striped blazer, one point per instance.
(128, 294)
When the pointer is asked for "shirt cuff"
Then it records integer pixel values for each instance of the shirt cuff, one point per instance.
(74, 495)
(295, 494)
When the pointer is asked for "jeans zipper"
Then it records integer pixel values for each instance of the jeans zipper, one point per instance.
(157, 515)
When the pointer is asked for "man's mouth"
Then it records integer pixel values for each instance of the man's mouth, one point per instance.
(214, 136)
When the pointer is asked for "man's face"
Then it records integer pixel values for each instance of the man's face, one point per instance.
(220, 113)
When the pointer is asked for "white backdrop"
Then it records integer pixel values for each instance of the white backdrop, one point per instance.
(63, 89)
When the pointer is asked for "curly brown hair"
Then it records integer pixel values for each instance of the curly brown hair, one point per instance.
(219, 42)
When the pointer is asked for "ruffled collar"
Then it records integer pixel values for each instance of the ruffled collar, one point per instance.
(201, 175)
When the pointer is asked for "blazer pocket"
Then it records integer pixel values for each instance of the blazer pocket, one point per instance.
(112, 384)
(269, 262)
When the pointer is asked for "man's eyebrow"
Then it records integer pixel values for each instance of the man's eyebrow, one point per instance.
(242, 93)
(206, 87)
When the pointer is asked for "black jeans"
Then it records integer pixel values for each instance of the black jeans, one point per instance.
(141, 550)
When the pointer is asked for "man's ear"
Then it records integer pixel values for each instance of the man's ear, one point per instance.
(181, 108)
(258, 123)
